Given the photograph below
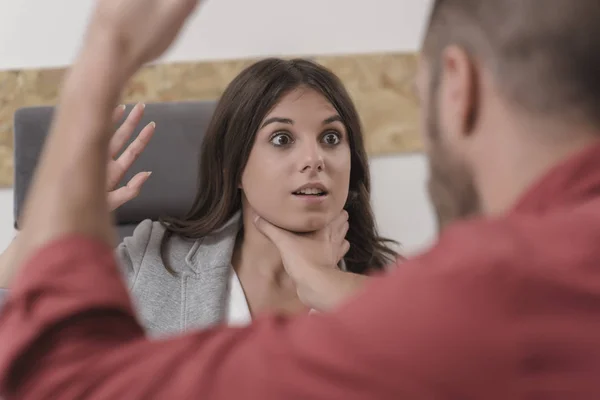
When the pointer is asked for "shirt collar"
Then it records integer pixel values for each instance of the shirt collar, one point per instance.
(573, 180)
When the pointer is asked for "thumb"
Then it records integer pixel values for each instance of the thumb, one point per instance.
(343, 250)
(276, 235)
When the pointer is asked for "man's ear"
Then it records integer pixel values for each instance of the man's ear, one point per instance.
(459, 90)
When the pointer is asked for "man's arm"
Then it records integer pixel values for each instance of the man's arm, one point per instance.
(69, 331)
(68, 191)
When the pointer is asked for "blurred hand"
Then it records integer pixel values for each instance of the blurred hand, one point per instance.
(142, 29)
(65, 196)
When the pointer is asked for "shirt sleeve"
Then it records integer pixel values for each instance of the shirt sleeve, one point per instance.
(68, 331)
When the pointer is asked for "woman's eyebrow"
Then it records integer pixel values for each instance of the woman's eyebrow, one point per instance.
(277, 119)
(331, 119)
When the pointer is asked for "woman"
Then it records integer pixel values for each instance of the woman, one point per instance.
(284, 143)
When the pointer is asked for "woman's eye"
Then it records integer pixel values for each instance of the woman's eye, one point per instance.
(332, 138)
(281, 139)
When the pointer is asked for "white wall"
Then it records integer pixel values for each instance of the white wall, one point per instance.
(6, 230)
(400, 203)
(33, 34)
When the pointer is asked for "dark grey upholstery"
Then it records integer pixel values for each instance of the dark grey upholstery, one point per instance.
(172, 156)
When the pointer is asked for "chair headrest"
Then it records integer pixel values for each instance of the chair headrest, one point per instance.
(172, 155)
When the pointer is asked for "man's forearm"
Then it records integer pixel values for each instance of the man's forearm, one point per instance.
(72, 167)
(325, 288)
(70, 327)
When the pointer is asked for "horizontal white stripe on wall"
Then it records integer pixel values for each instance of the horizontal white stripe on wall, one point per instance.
(47, 33)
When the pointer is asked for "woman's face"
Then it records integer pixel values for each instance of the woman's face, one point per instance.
(298, 172)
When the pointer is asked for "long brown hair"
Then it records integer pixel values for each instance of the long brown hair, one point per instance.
(230, 137)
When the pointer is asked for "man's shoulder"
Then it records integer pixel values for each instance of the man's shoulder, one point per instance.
(515, 250)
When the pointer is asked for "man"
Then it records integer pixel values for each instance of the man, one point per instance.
(505, 306)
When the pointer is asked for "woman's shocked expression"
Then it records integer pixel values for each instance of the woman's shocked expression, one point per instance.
(298, 172)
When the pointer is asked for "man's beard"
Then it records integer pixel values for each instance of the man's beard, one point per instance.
(451, 185)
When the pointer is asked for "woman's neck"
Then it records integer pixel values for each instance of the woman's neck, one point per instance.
(255, 254)
(259, 268)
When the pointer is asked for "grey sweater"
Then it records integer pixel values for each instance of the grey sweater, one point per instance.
(195, 296)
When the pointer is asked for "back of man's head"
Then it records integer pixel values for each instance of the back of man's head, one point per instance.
(544, 54)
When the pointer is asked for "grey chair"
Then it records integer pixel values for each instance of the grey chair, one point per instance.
(172, 156)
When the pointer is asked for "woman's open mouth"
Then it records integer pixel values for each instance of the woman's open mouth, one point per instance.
(310, 192)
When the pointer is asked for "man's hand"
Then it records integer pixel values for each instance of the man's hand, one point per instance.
(142, 29)
(68, 191)
(299, 251)
(311, 261)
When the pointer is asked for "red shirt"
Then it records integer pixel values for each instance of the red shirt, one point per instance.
(505, 308)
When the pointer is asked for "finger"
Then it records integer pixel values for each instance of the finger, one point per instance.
(344, 248)
(340, 219)
(118, 167)
(339, 226)
(184, 10)
(344, 230)
(275, 234)
(343, 216)
(126, 129)
(118, 197)
(339, 241)
(118, 114)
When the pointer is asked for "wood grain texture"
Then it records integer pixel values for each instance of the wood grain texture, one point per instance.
(380, 85)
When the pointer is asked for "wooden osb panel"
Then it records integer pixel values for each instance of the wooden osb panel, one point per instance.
(380, 84)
